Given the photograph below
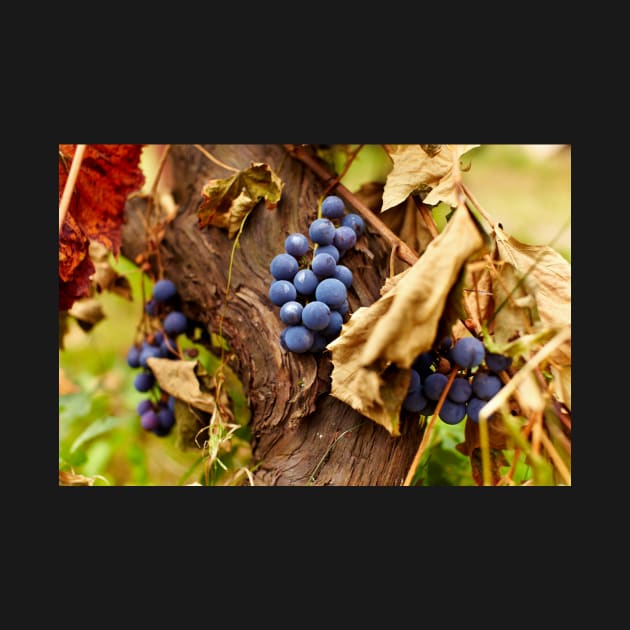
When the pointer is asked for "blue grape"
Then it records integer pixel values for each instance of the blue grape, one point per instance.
(414, 381)
(166, 418)
(164, 290)
(175, 323)
(452, 412)
(151, 307)
(305, 282)
(319, 342)
(461, 390)
(328, 249)
(345, 238)
(144, 381)
(296, 244)
(323, 265)
(334, 325)
(423, 363)
(291, 312)
(434, 384)
(415, 401)
(354, 221)
(344, 274)
(473, 408)
(283, 267)
(168, 348)
(281, 292)
(497, 362)
(486, 385)
(316, 315)
(322, 231)
(344, 308)
(332, 207)
(332, 292)
(144, 406)
(283, 343)
(133, 357)
(170, 403)
(149, 420)
(298, 338)
(468, 352)
(158, 338)
(445, 344)
(147, 352)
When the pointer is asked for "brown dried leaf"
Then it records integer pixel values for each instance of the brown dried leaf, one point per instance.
(105, 277)
(437, 178)
(226, 202)
(73, 479)
(88, 312)
(401, 324)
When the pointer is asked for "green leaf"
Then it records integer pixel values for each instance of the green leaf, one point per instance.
(98, 427)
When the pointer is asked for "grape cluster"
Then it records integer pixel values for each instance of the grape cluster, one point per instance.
(476, 382)
(157, 413)
(312, 292)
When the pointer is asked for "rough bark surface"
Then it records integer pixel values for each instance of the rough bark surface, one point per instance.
(300, 434)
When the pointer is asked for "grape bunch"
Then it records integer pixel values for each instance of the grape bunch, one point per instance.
(166, 323)
(312, 292)
(476, 382)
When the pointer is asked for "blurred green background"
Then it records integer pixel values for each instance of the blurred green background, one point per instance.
(527, 188)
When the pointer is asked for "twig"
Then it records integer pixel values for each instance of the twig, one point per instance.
(404, 252)
(482, 212)
(213, 159)
(345, 169)
(427, 216)
(77, 158)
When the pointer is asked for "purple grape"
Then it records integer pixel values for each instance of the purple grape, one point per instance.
(414, 382)
(461, 390)
(151, 307)
(158, 338)
(170, 403)
(423, 363)
(164, 290)
(322, 231)
(296, 244)
(305, 282)
(168, 348)
(334, 325)
(452, 412)
(133, 357)
(434, 384)
(445, 344)
(319, 342)
(497, 362)
(149, 420)
(473, 408)
(147, 352)
(354, 221)
(281, 292)
(283, 267)
(316, 315)
(415, 401)
(328, 249)
(332, 292)
(144, 381)
(144, 406)
(323, 265)
(468, 352)
(486, 385)
(344, 274)
(333, 207)
(291, 312)
(175, 323)
(345, 238)
(298, 338)
(166, 418)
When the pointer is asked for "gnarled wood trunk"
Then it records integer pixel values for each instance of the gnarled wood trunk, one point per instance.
(295, 422)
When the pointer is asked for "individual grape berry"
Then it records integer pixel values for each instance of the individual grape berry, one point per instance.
(164, 290)
(296, 244)
(168, 348)
(460, 391)
(429, 408)
(158, 338)
(298, 338)
(354, 221)
(166, 418)
(331, 291)
(486, 385)
(328, 249)
(149, 420)
(497, 362)
(151, 307)
(468, 352)
(319, 342)
(323, 265)
(452, 412)
(305, 282)
(144, 406)
(434, 384)
(175, 323)
(345, 238)
(344, 308)
(322, 231)
(148, 351)
(473, 408)
(332, 207)
(280, 292)
(133, 357)
(283, 342)
(283, 267)
(144, 381)
(170, 403)
(334, 325)
(316, 315)
(415, 401)
(344, 274)
(446, 343)
(291, 312)
(423, 363)
(414, 381)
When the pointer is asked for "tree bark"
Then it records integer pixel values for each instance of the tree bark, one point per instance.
(301, 435)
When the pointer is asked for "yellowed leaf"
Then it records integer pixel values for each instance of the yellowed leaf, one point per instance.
(435, 177)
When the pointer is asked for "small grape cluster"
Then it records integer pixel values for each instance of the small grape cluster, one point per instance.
(476, 382)
(312, 294)
(157, 413)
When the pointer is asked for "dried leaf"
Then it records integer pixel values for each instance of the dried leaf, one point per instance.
(88, 312)
(435, 177)
(105, 277)
(73, 479)
(401, 324)
(226, 202)
(75, 266)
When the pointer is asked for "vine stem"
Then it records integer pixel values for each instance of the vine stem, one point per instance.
(215, 160)
(77, 158)
(403, 251)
